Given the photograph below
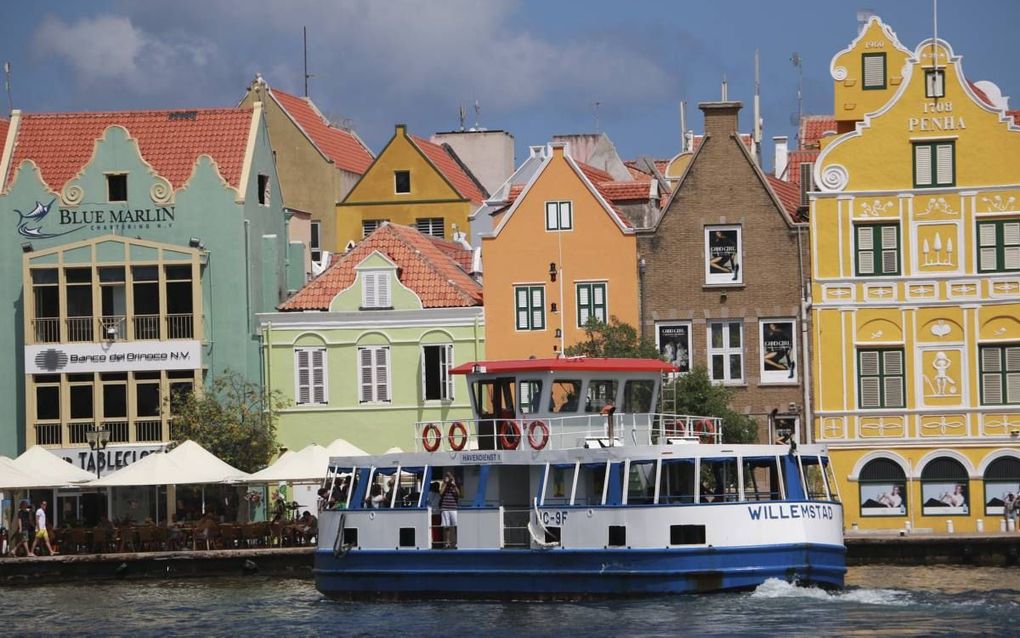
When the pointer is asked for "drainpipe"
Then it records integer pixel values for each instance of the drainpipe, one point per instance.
(247, 272)
(805, 340)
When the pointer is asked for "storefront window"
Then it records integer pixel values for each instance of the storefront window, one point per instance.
(944, 488)
(1002, 484)
(883, 486)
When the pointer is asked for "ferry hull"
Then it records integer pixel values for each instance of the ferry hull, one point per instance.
(573, 573)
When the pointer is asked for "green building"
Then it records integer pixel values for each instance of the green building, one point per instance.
(365, 350)
(137, 250)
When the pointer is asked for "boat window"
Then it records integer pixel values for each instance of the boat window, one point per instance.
(831, 477)
(589, 484)
(557, 488)
(530, 393)
(340, 488)
(637, 396)
(403, 492)
(761, 479)
(641, 483)
(677, 482)
(814, 483)
(564, 396)
(719, 480)
(599, 392)
(495, 398)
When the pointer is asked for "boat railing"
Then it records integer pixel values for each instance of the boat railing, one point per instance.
(565, 432)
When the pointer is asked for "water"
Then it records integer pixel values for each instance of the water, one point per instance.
(898, 601)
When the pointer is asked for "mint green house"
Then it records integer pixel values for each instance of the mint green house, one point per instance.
(365, 350)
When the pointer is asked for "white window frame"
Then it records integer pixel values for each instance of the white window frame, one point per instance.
(445, 378)
(591, 306)
(376, 289)
(313, 385)
(375, 223)
(531, 308)
(559, 216)
(726, 351)
(934, 83)
(768, 375)
(430, 222)
(724, 279)
(374, 379)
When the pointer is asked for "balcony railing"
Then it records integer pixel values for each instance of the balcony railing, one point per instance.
(76, 431)
(112, 327)
(48, 434)
(80, 329)
(120, 431)
(149, 430)
(46, 329)
(180, 326)
(146, 326)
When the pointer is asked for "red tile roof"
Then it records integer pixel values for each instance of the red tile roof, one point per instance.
(795, 159)
(1015, 115)
(442, 158)
(813, 128)
(638, 168)
(455, 251)
(424, 266)
(628, 191)
(600, 179)
(344, 148)
(60, 144)
(788, 195)
(4, 126)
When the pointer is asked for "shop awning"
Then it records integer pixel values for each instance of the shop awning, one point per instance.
(47, 468)
(306, 465)
(188, 463)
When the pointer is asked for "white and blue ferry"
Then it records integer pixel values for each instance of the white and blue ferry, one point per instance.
(571, 484)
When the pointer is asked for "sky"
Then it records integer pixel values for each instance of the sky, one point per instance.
(534, 68)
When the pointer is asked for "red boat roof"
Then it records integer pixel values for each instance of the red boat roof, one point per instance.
(569, 364)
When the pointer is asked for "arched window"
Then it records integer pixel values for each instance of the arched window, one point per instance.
(883, 489)
(944, 488)
(1002, 481)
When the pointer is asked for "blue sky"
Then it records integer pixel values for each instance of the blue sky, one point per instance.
(536, 68)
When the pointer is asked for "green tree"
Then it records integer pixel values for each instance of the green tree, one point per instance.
(232, 418)
(696, 395)
(613, 339)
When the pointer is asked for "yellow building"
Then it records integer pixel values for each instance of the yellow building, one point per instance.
(412, 182)
(915, 231)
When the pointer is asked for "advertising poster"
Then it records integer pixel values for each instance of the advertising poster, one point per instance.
(997, 494)
(723, 255)
(944, 499)
(883, 499)
(778, 351)
(674, 341)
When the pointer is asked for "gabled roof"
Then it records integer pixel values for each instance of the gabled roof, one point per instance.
(813, 128)
(788, 195)
(61, 144)
(795, 159)
(346, 149)
(446, 162)
(425, 264)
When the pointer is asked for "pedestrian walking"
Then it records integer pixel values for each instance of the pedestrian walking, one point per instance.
(24, 530)
(40, 530)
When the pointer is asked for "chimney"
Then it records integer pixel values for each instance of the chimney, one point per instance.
(720, 117)
(782, 155)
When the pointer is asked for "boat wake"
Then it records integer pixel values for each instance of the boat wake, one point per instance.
(776, 588)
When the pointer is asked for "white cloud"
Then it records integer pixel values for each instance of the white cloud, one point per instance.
(109, 48)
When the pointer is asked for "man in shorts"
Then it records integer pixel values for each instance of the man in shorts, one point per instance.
(24, 532)
(449, 494)
(40, 529)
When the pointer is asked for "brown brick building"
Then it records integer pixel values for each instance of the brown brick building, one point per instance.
(723, 272)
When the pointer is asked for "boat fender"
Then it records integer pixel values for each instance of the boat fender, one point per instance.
(509, 435)
(457, 436)
(706, 430)
(431, 437)
(538, 434)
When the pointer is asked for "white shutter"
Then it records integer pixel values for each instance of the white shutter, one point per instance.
(986, 235)
(1011, 246)
(424, 372)
(365, 365)
(369, 297)
(922, 165)
(871, 393)
(551, 216)
(944, 163)
(1013, 375)
(303, 380)
(599, 298)
(522, 309)
(865, 250)
(383, 282)
(874, 71)
(890, 249)
(893, 363)
(991, 388)
(446, 377)
(537, 308)
(382, 374)
(566, 216)
(991, 360)
(318, 370)
(583, 303)
(869, 364)
(894, 392)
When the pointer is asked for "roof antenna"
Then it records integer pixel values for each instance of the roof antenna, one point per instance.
(935, 33)
(725, 90)
(597, 105)
(461, 114)
(798, 64)
(7, 85)
(683, 126)
(307, 74)
(757, 109)
(478, 112)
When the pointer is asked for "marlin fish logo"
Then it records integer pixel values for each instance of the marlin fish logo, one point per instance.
(29, 225)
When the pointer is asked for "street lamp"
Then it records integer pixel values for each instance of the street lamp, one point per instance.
(98, 438)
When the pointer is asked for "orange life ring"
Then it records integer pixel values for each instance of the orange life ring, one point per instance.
(541, 427)
(457, 441)
(509, 435)
(431, 437)
(706, 431)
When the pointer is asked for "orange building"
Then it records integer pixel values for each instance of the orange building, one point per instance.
(561, 252)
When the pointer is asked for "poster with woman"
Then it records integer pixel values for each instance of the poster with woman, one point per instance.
(883, 499)
(722, 255)
(997, 494)
(778, 349)
(944, 499)
(674, 341)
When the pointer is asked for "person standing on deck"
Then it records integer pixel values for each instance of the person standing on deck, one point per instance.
(449, 494)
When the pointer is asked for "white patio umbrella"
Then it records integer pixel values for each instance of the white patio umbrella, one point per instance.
(14, 478)
(394, 450)
(188, 463)
(46, 467)
(308, 465)
(341, 447)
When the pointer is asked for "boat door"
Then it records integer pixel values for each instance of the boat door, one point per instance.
(495, 404)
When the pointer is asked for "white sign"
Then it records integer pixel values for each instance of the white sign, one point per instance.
(116, 356)
(113, 458)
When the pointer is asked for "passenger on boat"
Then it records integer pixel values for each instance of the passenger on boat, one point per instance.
(449, 494)
(376, 497)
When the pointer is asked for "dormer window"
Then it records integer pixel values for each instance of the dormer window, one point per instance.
(116, 187)
(401, 182)
(375, 289)
(873, 70)
(935, 83)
